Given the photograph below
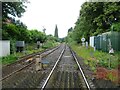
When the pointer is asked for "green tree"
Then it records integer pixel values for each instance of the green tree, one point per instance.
(15, 9)
(70, 29)
(96, 18)
(36, 35)
(11, 28)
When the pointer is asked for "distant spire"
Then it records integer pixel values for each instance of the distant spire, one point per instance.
(56, 32)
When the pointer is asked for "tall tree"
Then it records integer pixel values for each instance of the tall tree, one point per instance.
(56, 32)
(96, 18)
(12, 29)
(16, 9)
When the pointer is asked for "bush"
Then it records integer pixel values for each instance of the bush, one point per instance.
(48, 44)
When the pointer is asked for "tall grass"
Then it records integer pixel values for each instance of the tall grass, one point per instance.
(94, 58)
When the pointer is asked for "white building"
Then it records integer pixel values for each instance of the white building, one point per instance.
(4, 48)
(92, 42)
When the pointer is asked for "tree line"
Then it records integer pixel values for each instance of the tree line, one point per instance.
(15, 30)
(95, 18)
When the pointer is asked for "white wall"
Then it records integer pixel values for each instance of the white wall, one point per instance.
(92, 44)
(4, 48)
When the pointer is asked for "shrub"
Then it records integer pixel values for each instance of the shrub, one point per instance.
(48, 44)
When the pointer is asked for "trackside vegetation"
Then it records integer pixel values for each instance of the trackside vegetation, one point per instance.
(104, 65)
(15, 30)
(94, 19)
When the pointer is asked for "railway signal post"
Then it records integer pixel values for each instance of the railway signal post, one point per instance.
(83, 41)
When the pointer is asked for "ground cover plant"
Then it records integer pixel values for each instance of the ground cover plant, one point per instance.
(104, 65)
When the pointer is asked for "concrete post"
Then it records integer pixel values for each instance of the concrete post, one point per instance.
(38, 62)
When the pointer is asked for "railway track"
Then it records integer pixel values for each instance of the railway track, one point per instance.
(23, 63)
(27, 76)
(66, 73)
(63, 71)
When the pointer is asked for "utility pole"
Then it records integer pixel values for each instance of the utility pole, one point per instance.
(44, 29)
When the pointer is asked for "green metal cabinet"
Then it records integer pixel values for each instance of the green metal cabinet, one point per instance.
(102, 41)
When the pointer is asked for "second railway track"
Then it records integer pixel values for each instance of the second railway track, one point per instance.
(23, 78)
(21, 64)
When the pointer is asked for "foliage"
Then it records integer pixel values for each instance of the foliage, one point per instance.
(112, 75)
(61, 40)
(96, 18)
(9, 59)
(103, 73)
(51, 38)
(70, 37)
(116, 27)
(51, 41)
(15, 30)
(12, 31)
(14, 57)
(48, 44)
(97, 58)
(13, 8)
(35, 35)
(12, 46)
(99, 62)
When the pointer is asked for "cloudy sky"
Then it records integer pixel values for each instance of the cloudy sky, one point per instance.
(48, 13)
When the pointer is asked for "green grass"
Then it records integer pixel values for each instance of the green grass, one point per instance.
(8, 59)
(30, 49)
(96, 58)
(14, 57)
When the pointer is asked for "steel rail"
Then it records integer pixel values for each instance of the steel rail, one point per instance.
(29, 56)
(52, 70)
(83, 75)
(46, 81)
(20, 69)
(16, 71)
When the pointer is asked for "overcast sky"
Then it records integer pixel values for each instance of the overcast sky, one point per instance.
(48, 13)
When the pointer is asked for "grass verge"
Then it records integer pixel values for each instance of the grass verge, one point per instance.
(104, 65)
